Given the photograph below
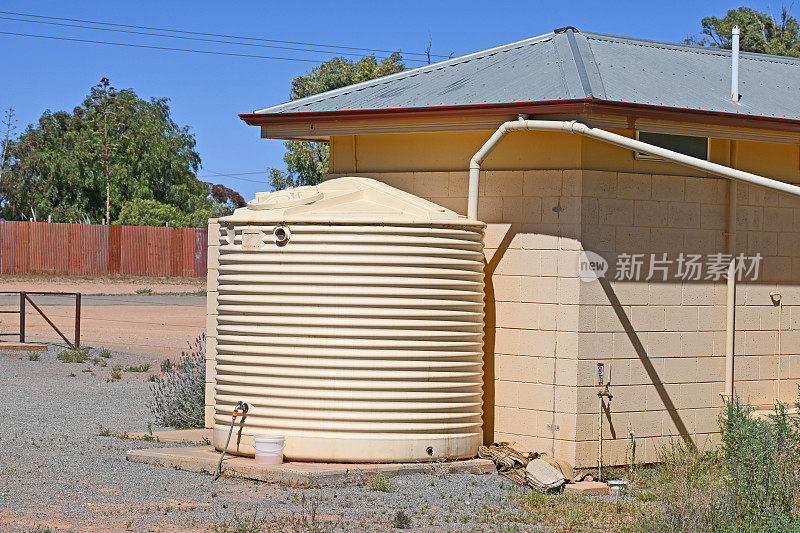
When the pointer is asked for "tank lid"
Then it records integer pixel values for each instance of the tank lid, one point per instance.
(343, 200)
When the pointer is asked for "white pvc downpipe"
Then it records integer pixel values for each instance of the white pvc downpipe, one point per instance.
(572, 126)
(730, 301)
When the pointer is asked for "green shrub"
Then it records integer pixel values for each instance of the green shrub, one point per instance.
(105, 353)
(401, 520)
(33, 356)
(381, 484)
(179, 394)
(684, 484)
(762, 469)
(752, 483)
(74, 355)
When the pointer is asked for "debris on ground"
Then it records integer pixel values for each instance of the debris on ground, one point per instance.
(532, 469)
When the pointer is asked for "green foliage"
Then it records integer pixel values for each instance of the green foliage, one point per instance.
(33, 356)
(685, 483)
(401, 520)
(751, 484)
(116, 373)
(307, 162)
(74, 355)
(241, 524)
(57, 166)
(760, 32)
(148, 212)
(144, 367)
(762, 464)
(105, 353)
(381, 484)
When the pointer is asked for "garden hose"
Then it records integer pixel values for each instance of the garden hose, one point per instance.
(240, 407)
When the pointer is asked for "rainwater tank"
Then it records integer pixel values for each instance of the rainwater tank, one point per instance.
(350, 319)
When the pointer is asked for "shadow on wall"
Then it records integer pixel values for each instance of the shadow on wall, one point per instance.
(625, 325)
(489, 338)
(641, 352)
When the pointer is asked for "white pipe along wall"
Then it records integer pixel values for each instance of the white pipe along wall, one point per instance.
(579, 128)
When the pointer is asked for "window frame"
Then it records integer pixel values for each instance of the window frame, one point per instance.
(640, 156)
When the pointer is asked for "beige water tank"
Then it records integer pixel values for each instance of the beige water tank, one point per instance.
(351, 322)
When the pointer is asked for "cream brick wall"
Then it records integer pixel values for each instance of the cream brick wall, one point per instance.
(211, 318)
(663, 341)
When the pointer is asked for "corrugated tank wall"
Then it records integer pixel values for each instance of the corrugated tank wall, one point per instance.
(356, 342)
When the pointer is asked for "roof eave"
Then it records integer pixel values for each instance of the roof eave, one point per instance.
(574, 106)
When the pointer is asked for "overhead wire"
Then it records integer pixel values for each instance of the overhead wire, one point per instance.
(235, 176)
(229, 36)
(262, 39)
(151, 34)
(153, 47)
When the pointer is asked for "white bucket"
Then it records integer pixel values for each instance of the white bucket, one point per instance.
(269, 449)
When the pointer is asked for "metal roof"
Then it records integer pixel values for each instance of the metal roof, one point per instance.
(568, 64)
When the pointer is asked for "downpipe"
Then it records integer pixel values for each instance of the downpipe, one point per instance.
(579, 128)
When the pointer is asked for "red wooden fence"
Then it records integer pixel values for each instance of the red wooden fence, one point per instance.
(41, 247)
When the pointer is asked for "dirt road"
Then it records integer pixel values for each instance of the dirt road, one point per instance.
(156, 323)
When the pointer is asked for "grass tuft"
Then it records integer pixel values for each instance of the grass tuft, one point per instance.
(144, 367)
(401, 520)
(381, 484)
(116, 373)
(74, 355)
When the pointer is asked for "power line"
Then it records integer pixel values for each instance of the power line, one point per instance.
(424, 54)
(235, 176)
(191, 38)
(152, 47)
(236, 173)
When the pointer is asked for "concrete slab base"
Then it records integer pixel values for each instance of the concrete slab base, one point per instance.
(175, 436)
(203, 459)
(586, 488)
(21, 347)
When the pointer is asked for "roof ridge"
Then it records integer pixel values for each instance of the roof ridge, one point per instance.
(585, 64)
(413, 72)
(691, 48)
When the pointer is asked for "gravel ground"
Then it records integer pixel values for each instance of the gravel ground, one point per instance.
(57, 473)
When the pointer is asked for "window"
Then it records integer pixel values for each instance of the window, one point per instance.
(684, 144)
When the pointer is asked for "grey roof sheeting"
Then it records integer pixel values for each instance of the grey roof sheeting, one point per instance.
(566, 65)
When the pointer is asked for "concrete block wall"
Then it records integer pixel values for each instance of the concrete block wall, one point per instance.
(665, 340)
(662, 340)
(211, 318)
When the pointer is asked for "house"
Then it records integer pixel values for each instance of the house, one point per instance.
(601, 259)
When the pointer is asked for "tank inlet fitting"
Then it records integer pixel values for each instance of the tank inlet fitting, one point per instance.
(282, 235)
(242, 408)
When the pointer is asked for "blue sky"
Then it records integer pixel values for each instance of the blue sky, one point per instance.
(208, 91)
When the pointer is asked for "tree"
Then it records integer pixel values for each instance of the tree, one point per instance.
(115, 147)
(306, 162)
(760, 32)
(226, 198)
(9, 125)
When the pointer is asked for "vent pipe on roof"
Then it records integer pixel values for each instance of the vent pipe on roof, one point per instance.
(735, 64)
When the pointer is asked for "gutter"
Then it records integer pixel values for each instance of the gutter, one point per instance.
(579, 128)
(569, 107)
